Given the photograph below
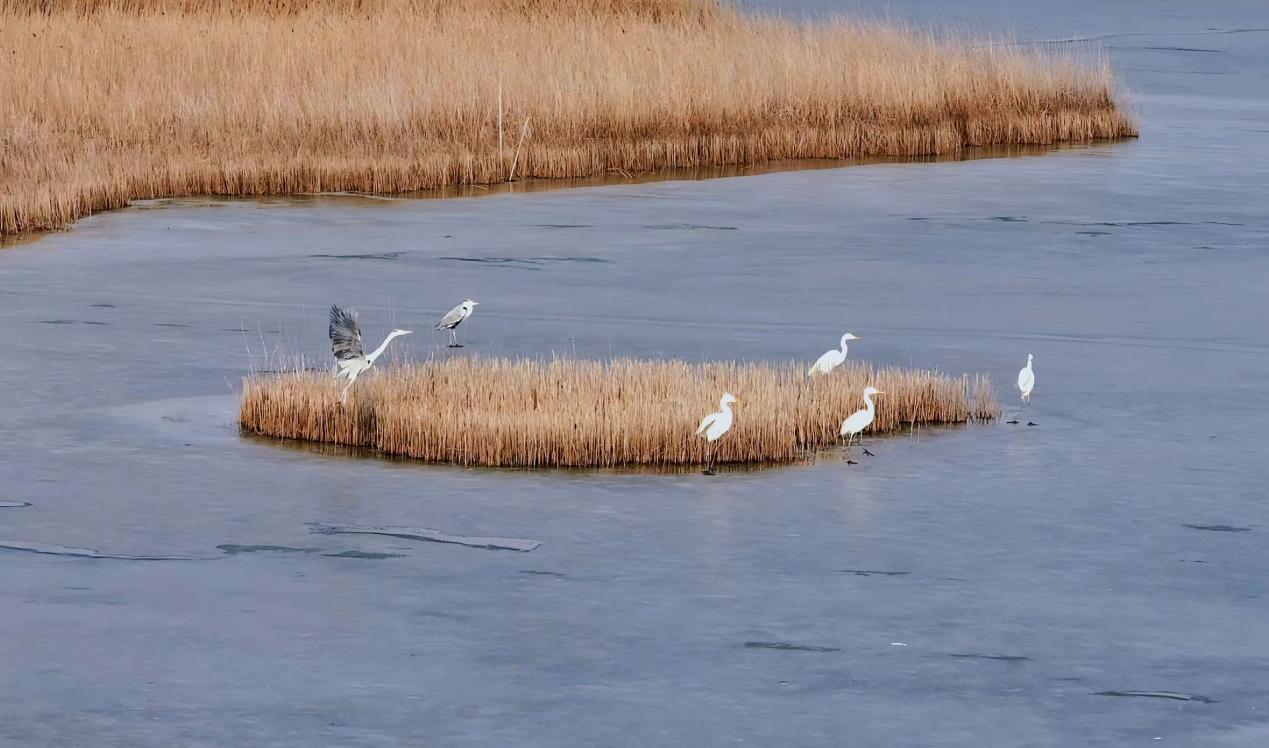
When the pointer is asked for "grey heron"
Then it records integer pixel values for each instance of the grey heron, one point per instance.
(454, 318)
(345, 343)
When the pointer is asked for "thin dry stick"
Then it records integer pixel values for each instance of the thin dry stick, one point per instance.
(523, 132)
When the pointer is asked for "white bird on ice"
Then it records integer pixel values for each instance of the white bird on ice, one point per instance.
(454, 318)
(714, 425)
(831, 359)
(1026, 381)
(345, 343)
(860, 420)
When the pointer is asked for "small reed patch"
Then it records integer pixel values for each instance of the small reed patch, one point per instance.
(568, 413)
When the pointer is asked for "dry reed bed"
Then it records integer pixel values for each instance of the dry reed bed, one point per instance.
(105, 101)
(497, 412)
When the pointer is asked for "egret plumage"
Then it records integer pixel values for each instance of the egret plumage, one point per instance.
(714, 425)
(1026, 381)
(345, 342)
(454, 317)
(831, 359)
(860, 420)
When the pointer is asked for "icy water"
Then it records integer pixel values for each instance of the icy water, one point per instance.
(1096, 579)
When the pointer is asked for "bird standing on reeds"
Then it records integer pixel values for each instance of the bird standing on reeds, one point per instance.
(858, 421)
(345, 343)
(831, 359)
(1026, 381)
(454, 318)
(714, 425)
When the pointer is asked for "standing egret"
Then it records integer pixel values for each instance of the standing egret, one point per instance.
(345, 343)
(715, 425)
(454, 318)
(858, 421)
(831, 359)
(1026, 381)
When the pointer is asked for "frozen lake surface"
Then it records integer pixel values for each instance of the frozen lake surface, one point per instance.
(1098, 579)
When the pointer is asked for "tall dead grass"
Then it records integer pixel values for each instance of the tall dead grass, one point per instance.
(497, 412)
(105, 101)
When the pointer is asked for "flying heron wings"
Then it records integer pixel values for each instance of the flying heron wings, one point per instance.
(452, 318)
(345, 335)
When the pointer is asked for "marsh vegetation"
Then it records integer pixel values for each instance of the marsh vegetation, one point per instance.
(108, 101)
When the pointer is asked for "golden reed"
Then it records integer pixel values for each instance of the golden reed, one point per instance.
(570, 413)
(106, 101)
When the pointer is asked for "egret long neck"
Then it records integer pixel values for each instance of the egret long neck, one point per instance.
(382, 347)
(868, 403)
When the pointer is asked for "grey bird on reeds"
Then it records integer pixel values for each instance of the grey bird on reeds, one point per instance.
(454, 318)
(345, 343)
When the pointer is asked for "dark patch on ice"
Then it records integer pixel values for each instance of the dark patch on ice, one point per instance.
(563, 226)
(787, 647)
(169, 324)
(874, 573)
(102, 306)
(1188, 49)
(233, 549)
(1219, 528)
(526, 263)
(13, 504)
(539, 573)
(1092, 233)
(1008, 219)
(688, 227)
(363, 256)
(918, 218)
(367, 555)
(49, 549)
(1174, 695)
(1000, 658)
(1122, 224)
(430, 536)
(69, 322)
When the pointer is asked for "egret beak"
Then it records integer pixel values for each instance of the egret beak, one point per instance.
(407, 332)
(879, 392)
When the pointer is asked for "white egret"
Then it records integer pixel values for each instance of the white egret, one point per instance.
(860, 420)
(454, 318)
(714, 425)
(1026, 381)
(831, 359)
(345, 343)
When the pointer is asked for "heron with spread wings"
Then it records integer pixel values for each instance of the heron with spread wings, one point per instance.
(454, 317)
(350, 353)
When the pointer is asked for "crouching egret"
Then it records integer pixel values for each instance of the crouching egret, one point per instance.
(454, 317)
(345, 343)
(714, 425)
(1026, 381)
(831, 359)
(858, 421)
